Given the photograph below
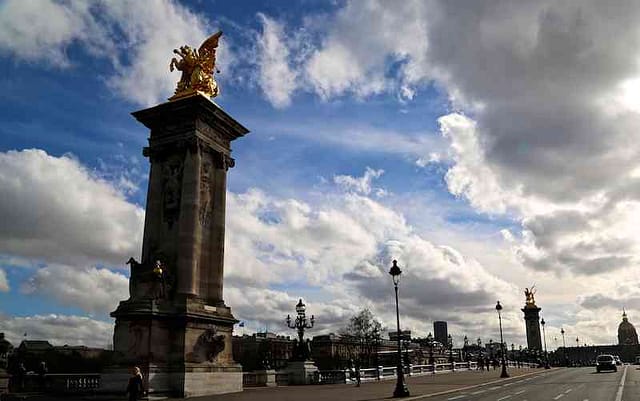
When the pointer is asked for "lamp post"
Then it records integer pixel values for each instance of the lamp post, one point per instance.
(546, 354)
(401, 389)
(577, 342)
(504, 363)
(300, 324)
(450, 346)
(564, 348)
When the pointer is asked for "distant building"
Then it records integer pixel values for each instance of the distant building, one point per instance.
(262, 350)
(440, 332)
(34, 347)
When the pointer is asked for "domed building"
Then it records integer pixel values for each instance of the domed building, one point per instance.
(626, 332)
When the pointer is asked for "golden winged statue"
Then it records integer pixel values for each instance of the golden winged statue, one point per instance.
(529, 294)
(198, 67)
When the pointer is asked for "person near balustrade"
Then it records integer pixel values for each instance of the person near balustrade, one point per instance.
(134, 387)
(42, 374)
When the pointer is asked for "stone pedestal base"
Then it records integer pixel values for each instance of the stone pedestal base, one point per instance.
(4, 381)
(190, 381)
(266, 378)
(301, 372)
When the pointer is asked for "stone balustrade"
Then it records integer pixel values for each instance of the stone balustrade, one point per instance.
(252, 379)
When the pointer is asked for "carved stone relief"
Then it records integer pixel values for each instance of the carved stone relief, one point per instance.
(206, 206)
(208, 345)
(171, 189)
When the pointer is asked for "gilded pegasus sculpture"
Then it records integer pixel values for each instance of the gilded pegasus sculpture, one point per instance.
(198, 67)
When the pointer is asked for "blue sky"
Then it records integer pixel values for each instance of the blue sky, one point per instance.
(461, 141)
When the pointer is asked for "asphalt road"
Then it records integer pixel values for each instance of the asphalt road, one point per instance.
(573, 384)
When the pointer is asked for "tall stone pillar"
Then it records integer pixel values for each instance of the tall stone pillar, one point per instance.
(532, 324)
(175, 324)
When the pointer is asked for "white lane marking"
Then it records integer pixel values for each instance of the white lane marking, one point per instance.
(520, 392)
(456, 397)
(568, 391)
(479, 392)
(503, 398)
(507, 384)
(494, 387)
(557, 397)
(621, 385)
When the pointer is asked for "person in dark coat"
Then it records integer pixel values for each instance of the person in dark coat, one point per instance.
(134, 387)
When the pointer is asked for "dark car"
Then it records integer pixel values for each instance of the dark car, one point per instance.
(606, 362)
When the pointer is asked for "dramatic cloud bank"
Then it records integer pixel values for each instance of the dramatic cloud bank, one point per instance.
(54, 210)
(548, 111)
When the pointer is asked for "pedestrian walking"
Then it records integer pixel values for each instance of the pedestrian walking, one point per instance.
(42, 375)
(134, 387)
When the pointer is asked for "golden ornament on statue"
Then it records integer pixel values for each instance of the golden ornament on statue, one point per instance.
(198, 67)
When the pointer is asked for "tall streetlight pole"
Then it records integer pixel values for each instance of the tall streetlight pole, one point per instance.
(546, 355)
(401, 387)
(564, 348)
(450, 346)
(504, 362)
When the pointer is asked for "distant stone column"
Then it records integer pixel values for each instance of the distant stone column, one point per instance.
(532, 323)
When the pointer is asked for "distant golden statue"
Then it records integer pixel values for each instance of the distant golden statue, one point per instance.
(529, 293)
(198, 67)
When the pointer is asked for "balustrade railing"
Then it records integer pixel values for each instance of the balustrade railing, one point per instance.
(380, 373)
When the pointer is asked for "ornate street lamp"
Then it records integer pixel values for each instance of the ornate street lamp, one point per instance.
(300, 324)
(577, 342)
(504, 363)
(401, 389)
(465, 348)
(430, 345)
(546, 354)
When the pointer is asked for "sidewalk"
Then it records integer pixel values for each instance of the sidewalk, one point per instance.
(425, 386)
(418, 385)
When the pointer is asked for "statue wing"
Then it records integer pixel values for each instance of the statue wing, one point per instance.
(207, 51)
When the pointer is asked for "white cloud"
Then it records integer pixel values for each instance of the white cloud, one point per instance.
(135, 37)
(359, 185)
(363, 37)
(58, 330)
(93, 290)
(54, 210)
(42, 30)
(276, 79)
(4, 282)
(151, 31)
(337, 253)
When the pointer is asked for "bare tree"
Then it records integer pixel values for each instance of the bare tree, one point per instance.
(361, 339)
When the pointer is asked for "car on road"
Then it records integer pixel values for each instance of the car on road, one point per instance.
(606, 362)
